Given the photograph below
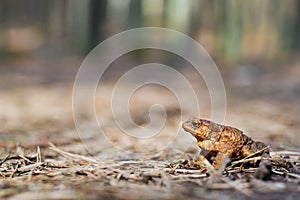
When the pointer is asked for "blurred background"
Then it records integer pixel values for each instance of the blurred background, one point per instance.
(255, 45)
(233, 32)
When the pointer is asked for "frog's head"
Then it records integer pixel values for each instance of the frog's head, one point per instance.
(199, 128)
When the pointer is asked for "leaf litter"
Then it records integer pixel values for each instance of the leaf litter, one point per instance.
(23, 167)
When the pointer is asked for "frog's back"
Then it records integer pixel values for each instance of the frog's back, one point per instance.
(235, 139)
(253, 147)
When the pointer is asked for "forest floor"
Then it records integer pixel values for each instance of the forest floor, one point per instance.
(43, 155)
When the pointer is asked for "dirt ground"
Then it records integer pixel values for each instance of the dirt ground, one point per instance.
(43, 155)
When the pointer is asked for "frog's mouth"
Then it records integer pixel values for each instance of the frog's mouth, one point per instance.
(190, 131)
(187, 126)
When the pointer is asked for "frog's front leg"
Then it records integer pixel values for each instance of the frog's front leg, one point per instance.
(208, 154)
(221, 151)
(200, 163)
(217, 162)
(219, 159)
(209, 150)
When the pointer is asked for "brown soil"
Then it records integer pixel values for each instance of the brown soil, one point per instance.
(42, 155)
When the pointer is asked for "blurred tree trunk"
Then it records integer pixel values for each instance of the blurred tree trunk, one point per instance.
(79, 25)
(86, 23)
(178, 15)
(135, 19)
(56, 20)
(230, 25)
(296, 31)
(97, 19)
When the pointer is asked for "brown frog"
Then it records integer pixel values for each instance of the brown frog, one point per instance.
(218, 141)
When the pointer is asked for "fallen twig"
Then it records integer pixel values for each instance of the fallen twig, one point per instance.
(4, 159)
(291, 153)
(29, 167)
(72, 155)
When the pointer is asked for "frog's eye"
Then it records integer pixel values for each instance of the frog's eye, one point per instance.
(196, 123)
